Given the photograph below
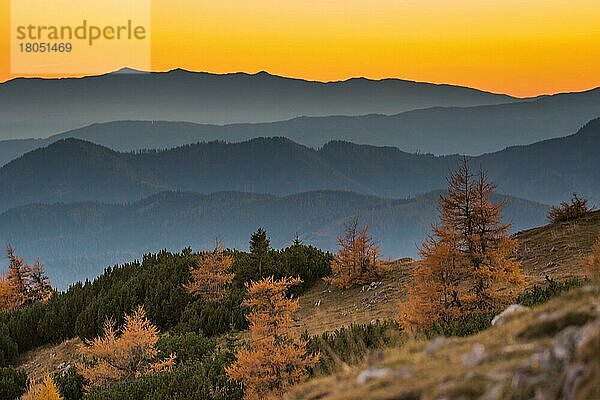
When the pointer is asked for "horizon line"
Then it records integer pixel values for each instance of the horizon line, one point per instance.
(128, 70)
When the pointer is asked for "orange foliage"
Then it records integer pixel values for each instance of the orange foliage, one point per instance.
(39, 284)
(212, 276)
(569, 211)
(24, 284)
(46, 391)
(468, 265)
(592, 261)
(358, 260)
(6, 298)
(436, 295)
(277, 357)
(125, 354)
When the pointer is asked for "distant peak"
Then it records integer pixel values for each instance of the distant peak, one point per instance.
(127, 70)
(71, 142)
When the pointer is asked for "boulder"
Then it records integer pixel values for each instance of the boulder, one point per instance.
(505, 315)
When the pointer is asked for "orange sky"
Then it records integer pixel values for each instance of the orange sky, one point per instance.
(512, 46)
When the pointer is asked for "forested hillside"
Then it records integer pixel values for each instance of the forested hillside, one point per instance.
(72, 170)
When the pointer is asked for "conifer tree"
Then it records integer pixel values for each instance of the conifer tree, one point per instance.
(259, 242)
(435, 297)
(358, 260)
(259, 247)
(123, 354)
(212, 275)
(492, 264)
(297, 240)
(18, 278)
(592, 261)
(569, 211)
(46, 391)
(39, 284)
(24, 284)
(277, 357)
(6, 294)
(468, 264)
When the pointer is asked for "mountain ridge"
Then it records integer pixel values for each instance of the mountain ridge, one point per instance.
(36, 107)
(73, 170)
(129, 70)
(441, 130)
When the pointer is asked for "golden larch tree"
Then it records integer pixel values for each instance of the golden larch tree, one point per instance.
(6, 298)
(47, 390)
(358, 259)
(24, 284)
(468, 265)
(123, 354)
(18, 278)
(492, 263)
(592, 261)
(569, 211)
(435, 297)
(277, 356)
(40, 289)
(212, 276)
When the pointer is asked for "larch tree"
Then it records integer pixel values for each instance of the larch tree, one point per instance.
(592, 261)
(6, 298)
(18, 278)
(569, 211)
(277, 357)
(358, 259)
(24, 284)
(468, 265)
(493, 266)
(212, 276)
(47, 390)
(435, 297)
(123, 354)
(40, 289)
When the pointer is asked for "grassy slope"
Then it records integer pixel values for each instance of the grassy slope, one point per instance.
(555, 251)
(521, 359)
(558, 250)
(525, 357)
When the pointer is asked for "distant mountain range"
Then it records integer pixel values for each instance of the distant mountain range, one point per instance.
(73, 170)
(439, 130)
(76, 241)
(32, 107)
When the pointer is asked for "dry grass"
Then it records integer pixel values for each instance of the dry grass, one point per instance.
(326, 308)
(48, 360)
(421, 370)
(558, 250)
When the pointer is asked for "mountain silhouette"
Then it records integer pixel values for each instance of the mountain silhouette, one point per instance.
(35, 107)
(73, 170)
(440, 130)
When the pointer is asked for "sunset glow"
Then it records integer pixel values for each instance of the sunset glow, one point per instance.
(510, 46)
